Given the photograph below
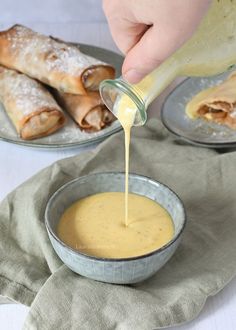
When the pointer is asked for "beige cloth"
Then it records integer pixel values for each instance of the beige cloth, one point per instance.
(205, 262)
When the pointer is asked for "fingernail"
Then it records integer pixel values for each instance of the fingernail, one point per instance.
(133, 76)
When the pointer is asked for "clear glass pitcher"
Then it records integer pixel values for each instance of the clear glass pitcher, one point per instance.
(211, 50)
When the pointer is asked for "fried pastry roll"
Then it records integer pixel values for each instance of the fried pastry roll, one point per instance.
(88, 111)
(217, 104)
(51, 61)
(31, 108)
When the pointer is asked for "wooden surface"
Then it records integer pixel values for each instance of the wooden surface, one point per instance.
(79, 21)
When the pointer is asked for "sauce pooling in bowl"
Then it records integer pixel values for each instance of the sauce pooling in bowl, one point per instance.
(95, 226)
(117, 224)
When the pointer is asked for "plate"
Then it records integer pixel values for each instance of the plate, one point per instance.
(199, 131)
(70, 135)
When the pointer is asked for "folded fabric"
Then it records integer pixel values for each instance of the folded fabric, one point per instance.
(217, 104)
(31, 273)
(31, 108)
(51, 61)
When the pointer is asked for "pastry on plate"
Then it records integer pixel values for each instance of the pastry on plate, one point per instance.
(88, 111)
(216, 104)
(30, 107)
(51, 61)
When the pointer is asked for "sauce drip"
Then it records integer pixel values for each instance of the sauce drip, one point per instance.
(117, 224)
(126, 115)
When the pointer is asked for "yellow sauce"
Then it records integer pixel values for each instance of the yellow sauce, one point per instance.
(211, 50)
(95, 226)
(117, 224)
(126, 114)
(132, 225)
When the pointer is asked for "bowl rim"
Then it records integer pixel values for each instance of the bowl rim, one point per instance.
(51, 232)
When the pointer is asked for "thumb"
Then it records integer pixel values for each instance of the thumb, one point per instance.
(148, 53)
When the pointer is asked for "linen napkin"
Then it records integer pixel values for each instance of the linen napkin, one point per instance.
(32, 274)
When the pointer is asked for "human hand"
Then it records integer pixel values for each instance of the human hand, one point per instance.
(149, 31)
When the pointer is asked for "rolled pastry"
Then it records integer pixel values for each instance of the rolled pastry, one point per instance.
(31, 108)
(88, 111)
(217, 104)
(51, 61)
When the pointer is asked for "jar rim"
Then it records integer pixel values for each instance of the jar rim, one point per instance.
(131, 91)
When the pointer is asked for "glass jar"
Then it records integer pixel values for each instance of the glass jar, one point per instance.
(210, 51)
(139, 95)
(112, 90)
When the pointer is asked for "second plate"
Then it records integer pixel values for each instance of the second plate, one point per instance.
(199, 131)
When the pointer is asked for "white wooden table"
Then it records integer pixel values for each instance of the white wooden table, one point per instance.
(82, 21)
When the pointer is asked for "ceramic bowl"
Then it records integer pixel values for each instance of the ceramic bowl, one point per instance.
(120, 271)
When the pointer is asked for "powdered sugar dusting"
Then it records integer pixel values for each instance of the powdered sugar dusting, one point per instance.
(67, 136)
(27, 94)
(70, 135)
(56, 55)
(233, 113)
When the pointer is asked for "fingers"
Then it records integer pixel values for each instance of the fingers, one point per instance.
(125, 31)
(151, 50)
(145, 46)
(126, 34)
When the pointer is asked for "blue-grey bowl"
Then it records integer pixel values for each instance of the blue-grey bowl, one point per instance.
(120, 271)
